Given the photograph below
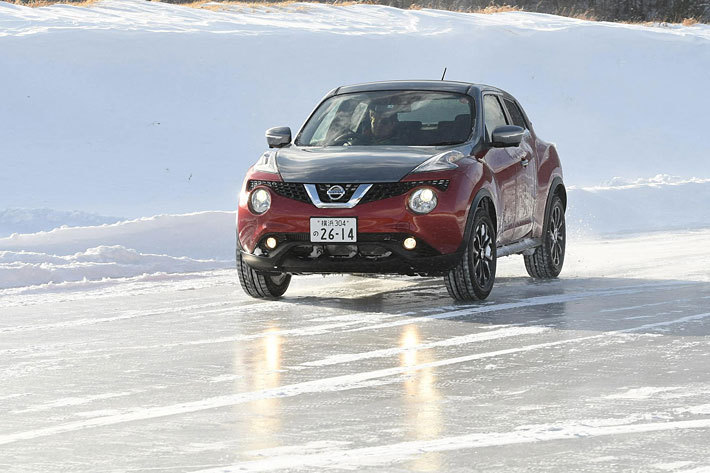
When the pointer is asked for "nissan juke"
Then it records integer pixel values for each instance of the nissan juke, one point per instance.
(428, 178)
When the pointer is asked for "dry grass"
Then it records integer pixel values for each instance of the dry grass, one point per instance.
(46, 3)
(587, 16)
(276, 5)
(222, 5)
(339, 3)
(490, 9)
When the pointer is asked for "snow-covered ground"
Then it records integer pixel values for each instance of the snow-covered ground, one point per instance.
(606, 371)
(153, 112)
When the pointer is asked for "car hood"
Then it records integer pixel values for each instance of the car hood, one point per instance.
(350, 164)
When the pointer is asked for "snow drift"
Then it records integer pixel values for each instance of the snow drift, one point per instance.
(29, 268)
(639, 205)
(37, 220)
(202, 235)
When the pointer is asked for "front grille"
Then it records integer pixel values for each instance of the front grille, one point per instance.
(323, 192)
(379, 191)
(290, 190)
(386, 190)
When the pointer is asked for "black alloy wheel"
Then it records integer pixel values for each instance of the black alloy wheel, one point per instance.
(547, 260)
(472, 279)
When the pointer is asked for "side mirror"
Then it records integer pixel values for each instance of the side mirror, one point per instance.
(278, 137)
(507, 135)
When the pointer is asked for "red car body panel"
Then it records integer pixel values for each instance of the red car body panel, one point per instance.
(442, 229)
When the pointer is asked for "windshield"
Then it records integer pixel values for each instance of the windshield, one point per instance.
(399, 118)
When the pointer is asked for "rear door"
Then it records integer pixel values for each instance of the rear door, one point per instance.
(505, 169)
(527, 175)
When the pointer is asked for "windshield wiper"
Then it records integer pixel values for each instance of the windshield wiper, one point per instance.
(444, 143)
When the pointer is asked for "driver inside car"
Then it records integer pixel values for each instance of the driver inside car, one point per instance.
(383, 127)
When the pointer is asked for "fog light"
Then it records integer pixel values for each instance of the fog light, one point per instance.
(409, 243)
(271, 243)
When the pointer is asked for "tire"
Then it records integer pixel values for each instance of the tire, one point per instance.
(547, 260)
(259, 284)
(472, 279)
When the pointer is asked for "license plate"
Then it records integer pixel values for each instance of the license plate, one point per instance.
(333, 230)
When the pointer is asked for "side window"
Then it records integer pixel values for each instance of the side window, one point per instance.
(515, 114)
(494, 116)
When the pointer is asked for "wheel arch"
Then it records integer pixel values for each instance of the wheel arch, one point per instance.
(483, 198)
(556, 188)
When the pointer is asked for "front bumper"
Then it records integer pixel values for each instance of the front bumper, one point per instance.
(373, 253)
(383, 224)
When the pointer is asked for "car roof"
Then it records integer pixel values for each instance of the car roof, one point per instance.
(432, 85)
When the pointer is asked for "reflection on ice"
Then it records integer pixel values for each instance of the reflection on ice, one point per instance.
(423, 418)
(409, 340)
(259, 363)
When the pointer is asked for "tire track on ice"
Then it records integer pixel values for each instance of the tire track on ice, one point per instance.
(332, 384)
(403, 451)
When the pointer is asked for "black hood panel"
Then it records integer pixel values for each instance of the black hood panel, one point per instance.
(354, 164)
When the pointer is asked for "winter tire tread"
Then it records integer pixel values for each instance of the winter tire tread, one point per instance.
(540, 265)
(460, 281)
(257, 284)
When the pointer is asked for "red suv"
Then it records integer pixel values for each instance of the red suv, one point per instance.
(430, 178)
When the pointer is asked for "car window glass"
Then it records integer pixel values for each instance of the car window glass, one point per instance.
(432, 111)
(400, 118)
(326, 120)
(358, 115)
(493, 113)
(515, 114)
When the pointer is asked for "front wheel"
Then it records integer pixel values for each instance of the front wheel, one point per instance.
(472, 279)
(259, 284)
(546, 262)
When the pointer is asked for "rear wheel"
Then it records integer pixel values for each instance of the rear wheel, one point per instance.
(260, 284)
(546, 262)
(472, 279)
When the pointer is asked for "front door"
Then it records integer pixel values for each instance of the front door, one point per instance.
(505, 171)
(524, 156)
(526, 180)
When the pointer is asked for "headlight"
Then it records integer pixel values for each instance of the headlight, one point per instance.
(440, 162)
(260, 200)
(422, 201)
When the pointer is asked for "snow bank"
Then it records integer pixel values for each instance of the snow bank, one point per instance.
(202, 235)
(640, 205)
(28, 268)
(164, 243)
(37, 220)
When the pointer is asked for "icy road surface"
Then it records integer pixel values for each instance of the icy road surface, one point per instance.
(184, 373)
